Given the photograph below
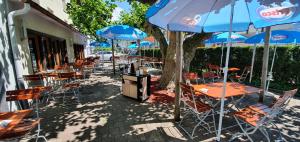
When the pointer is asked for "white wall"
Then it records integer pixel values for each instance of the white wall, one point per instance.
(6, 64)
(36, 21)
(56, 7)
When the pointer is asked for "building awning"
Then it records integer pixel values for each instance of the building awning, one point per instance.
(50, 15)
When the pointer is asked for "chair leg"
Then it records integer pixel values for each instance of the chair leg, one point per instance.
(64, 97)
(184, 116)
(193, 132)
(245, 132)
(76, 95)
(265, 133)
(277, 129)
(38, 134)
(213, 115)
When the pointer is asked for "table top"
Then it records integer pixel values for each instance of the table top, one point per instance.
(233, 69)
(15, 117)
(215, 90)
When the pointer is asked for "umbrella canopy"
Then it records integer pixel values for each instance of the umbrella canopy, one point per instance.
(146, 44)
(100, 44)
(142, 44)
(213, 15)
(132, 46)
(277, 37)
(121, 32)
(223, 38)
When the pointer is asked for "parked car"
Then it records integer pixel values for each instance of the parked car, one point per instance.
(105, 55)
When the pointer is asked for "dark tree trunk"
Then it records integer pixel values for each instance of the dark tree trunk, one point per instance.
(169, 62)
(190, 45)
(159, 36)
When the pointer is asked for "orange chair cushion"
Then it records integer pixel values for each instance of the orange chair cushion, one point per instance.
(249, 116)
(71, 85)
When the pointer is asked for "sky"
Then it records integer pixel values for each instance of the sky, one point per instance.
(122, 6)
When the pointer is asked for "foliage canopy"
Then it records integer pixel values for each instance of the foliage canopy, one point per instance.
(90, 15)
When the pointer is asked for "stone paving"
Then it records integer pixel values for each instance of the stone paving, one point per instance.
(104, 115)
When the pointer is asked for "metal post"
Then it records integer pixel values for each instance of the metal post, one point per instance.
(221, 64)
(139, 50)
(270, 75)
(178, 74)
(264, 74)
(225, 69)
(113, 55)
(252, 62)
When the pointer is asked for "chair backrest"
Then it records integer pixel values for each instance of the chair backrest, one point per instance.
(214, 67)
(190, 76)
(277, 107)
(283, 100)
(34, 80)
(24, 94)
(88, 63)
(59, 67)
(208, 75)
(188, 94)
(245, 73)
(68, 75)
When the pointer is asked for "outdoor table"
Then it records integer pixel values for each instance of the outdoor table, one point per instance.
(214, 90)
(233, 90)
(232, 69)
(15, 118)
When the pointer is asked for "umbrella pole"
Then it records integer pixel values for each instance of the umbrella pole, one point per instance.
(264, 74)
(153, 53)
(225, 69)
(252, 62)
(178, 74)
(270, 76)
(221, 64)
(140, 52)
(113, 55)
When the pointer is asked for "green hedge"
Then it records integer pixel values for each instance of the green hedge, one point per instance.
(286, 71)
(149, 52)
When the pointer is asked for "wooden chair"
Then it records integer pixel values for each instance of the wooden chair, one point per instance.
(23, 128)
(259, 116)
(34, 80)
(191, 76)
(241, 78)
(216, 69)
(68, 84)
(209, 77)
(196, 108)
(24, 95)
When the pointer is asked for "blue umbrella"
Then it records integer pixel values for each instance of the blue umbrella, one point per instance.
(213, 16)
(277, 37)
(223, 38)
(146, 44)
(100, 44)
(120, 32)
(132, 46)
